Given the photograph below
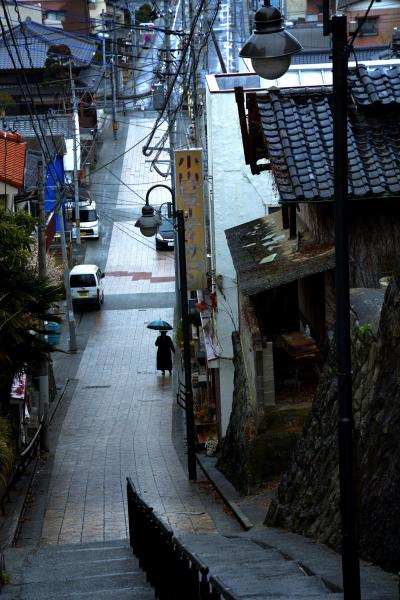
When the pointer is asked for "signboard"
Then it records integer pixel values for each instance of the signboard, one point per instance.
(190, 199)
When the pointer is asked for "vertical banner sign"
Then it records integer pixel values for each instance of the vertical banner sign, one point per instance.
(190, 199)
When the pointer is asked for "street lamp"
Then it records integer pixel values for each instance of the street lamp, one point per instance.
(258, 50)
(149, 221)
(148, 224)
(270, 47)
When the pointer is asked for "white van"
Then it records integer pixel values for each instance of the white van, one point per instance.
(87, 214)
(86, 283)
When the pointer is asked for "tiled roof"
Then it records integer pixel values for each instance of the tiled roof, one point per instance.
(40, 38)
(264, 257)
(57, 125)
(310, 37)
(12, 159)
(378, 86)
(321, 55)
(344, 3)
(297, 126)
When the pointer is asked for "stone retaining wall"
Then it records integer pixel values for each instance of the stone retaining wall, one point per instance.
(260, 437)
(307, 501)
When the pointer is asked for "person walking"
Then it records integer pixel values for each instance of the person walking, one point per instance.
(164, 358)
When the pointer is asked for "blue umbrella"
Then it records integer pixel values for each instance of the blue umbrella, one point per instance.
(159, 325)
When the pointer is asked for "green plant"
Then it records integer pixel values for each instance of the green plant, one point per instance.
(145, 14)
(5, 577)
(25, 299)
(6, 452)
(56, 66)
(366, 328)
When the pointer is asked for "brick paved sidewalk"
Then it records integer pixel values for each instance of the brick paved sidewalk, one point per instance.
(118, 425)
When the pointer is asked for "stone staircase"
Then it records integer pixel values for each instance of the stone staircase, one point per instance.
(266, 564)
(252, 571)
(76, 571)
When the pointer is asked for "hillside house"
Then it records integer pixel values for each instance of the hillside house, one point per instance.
(285, 262)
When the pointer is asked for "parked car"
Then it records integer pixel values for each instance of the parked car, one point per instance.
(86, 282)
(87, 214)
(165, 237)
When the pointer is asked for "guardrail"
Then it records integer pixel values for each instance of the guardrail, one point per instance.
(181, 395)
(23, 462)
(21, 465)
(173, 571)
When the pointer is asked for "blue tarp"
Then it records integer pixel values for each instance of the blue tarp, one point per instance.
(54, 175)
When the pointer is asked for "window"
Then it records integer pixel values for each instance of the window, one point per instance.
(56, 15)
(83, 280)
(369, 28)
(86, 215)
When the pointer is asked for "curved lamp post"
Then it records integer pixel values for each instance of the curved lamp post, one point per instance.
(270, 48)
(150, 220)
(148, 224)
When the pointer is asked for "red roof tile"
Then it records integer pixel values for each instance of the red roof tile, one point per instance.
(12, 159)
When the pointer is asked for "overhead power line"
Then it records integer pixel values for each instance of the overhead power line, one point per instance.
(37, 126)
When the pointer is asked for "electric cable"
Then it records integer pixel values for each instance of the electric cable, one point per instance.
(37, 125)
(145, 148)
(130, 233)
(360, 24)
(16, 7)
(186, 88)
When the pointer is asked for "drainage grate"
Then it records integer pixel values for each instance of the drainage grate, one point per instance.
(96, 387)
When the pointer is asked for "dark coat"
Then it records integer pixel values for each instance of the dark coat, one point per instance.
(164, 357)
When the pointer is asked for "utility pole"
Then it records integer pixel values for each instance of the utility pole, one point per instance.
(348, 495)
(183, 14)
(134, 35)
(42, 267)
(75, 118)
(171, 126)
(113, 76)
(189, 410)
(168, 72)
(115, 49)
(114, 100)
(194, 73)
(67, 286)
(103, 27)
(217, 48)
(206, 48)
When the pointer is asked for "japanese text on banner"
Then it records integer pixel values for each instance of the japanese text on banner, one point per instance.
(190, 198)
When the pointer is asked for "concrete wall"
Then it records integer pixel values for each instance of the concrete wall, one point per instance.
(371, 225)
(34, 13)
(257, 358)
(235, 197)
(388, 15)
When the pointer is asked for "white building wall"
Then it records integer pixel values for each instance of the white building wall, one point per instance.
(34, 13)
(363, 5)
(237, 197)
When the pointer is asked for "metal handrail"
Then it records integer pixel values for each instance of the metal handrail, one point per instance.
(24, 460)
(171, 568)
(181, 395)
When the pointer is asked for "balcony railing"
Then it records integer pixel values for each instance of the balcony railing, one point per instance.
(173, 571)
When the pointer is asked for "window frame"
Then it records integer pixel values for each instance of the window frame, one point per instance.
(371, 20)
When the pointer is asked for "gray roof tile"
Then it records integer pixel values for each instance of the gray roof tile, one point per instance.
(260, 267)
(297, 126)
(26, 126)
(39, 39)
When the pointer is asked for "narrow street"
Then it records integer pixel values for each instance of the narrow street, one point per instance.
(118, 417)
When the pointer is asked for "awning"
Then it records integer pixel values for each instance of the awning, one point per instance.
(264, 257)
